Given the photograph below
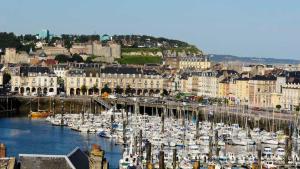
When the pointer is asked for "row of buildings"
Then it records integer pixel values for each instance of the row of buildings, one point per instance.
(273, 87)
(265, 91)
(189, 62)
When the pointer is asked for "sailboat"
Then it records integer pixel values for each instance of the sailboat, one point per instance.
(39, 113)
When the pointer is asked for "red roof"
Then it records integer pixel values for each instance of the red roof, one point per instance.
(51, 62)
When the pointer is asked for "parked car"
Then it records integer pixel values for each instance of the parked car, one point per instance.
(33, 94)
(51, 94)
(62, 94)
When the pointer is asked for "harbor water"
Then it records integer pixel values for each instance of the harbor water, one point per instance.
(26, 136)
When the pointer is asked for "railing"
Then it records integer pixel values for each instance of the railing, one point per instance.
(103, 103)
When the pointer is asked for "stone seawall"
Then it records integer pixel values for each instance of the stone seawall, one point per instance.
(74, 105)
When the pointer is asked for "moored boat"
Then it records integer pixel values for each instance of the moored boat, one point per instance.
(39, 114)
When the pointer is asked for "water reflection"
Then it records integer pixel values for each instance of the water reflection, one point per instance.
(22, 135)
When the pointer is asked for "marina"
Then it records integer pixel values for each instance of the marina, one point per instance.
(164, 139)
(204, 135)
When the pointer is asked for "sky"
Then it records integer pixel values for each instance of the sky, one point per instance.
(252, 28)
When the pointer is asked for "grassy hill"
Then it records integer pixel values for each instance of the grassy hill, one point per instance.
(140, 60)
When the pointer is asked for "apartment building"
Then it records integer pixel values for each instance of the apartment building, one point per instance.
(194, 62)
(117, 78)
(34, 80)
(260, 91)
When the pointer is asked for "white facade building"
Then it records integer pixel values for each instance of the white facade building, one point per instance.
(291, 95)
(33, 81)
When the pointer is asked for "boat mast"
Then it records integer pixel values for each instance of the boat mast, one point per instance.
(49, 104)
(38, 104)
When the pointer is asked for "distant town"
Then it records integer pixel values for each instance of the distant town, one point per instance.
(161, 102)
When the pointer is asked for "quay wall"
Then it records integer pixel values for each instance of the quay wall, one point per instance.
(74, 105)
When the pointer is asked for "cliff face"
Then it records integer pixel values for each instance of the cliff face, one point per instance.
(181, 53)
(175, 52)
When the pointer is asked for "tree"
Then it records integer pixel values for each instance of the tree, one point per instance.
(278, 106)
(165, 93)
(6, 78)
(298, 108)
(128, 90)
(60, 82)
(27, 47)
(28, 38)
(226, 101)
(106, 89)
(53, 40)
(200, 99)
(76, 58)
(90, 59)
(83, 89)
(95, 89)
(67, 39)
(178, 96)
(9, 40)
(118, 90)
(62, 58)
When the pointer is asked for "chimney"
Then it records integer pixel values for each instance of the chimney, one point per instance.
(2, 150)
(225, 73)
(96, 157)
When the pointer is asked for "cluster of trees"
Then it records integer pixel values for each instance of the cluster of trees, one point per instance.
(68, 40)
(27, 41)
(74, 58)
(9, 40)
(117, 90)
(65, 58)
(21, 43)
(105, 89)
(138, 40)
(6, 78)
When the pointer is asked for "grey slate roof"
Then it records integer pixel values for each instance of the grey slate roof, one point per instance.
(36, 161)
(259, 77)
(121, 70)
(150, 72)
(295, 74)
(77, 159)
(25, 70)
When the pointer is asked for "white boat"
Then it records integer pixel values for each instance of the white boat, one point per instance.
(239, 142)
(270, 141)
(269, 165)
(267, 152)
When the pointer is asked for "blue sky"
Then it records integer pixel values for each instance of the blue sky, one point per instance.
(258, 28)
